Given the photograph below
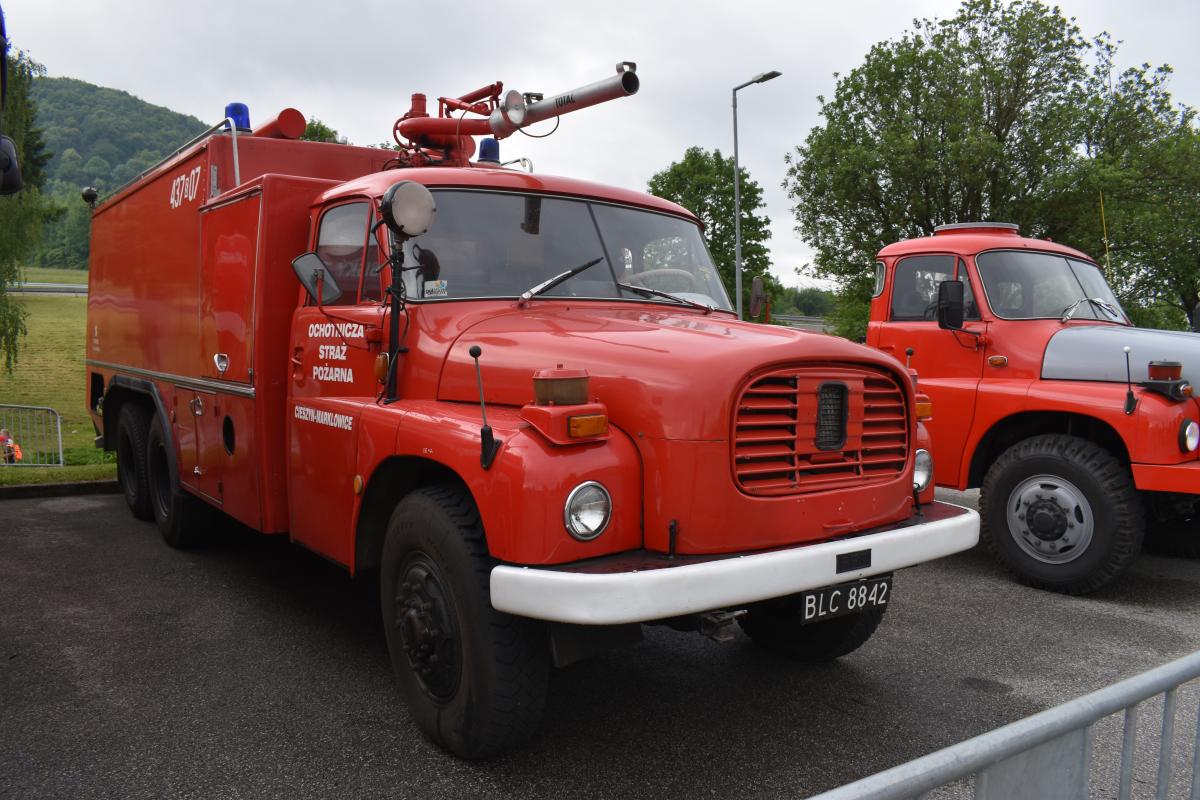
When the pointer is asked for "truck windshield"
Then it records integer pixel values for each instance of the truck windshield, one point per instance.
(497, 245)
(1028, 285)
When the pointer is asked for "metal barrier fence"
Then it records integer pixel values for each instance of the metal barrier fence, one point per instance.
(32, 438)
(1049, 755)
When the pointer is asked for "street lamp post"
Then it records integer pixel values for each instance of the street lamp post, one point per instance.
(737, 190)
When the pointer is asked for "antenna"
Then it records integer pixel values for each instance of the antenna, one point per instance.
(488, 444)
(1130, 400)
(1104, 234)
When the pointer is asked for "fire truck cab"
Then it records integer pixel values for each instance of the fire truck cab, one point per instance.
(522, 400)
(1080, 430)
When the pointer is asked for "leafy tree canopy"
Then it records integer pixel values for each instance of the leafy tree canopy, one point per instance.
(703, 183)
(992, 114)
(317, 131)
(21, 214)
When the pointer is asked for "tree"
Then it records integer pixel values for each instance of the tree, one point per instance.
(703, 184)
(21, 214)
(970, 118)
(1141, 153)
(317, 131)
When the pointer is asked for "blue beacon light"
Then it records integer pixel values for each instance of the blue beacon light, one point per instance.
(240, 114)
(489, 151)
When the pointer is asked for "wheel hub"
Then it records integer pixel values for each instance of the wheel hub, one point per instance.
(425, 622)
(1050, 519)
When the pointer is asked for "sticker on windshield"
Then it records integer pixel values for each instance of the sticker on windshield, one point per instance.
(434, 289)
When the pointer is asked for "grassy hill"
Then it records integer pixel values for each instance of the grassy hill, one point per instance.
(97, 137)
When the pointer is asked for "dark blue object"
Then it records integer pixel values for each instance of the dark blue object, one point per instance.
(489, 150)
(240, 114)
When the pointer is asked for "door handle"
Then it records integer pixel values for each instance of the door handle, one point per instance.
(221, 361)
(197, 406)
(888, 348)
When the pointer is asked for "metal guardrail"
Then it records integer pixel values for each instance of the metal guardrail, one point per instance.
(1048, 755)
(32, 438)
(30, 287)
(818, 324)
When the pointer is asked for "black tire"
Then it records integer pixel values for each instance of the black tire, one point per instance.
(1072, 503)
(178, 515)
(775, 626)
(475, 679)
(1178, 538)
(133, 424)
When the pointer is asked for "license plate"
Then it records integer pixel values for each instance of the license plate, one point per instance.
(844, 599)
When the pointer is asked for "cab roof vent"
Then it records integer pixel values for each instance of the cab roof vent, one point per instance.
(966, 227)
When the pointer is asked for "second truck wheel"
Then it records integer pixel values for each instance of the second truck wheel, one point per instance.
(1061, 513)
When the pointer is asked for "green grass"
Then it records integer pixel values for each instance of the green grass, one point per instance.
(50, 372)
(52, 275)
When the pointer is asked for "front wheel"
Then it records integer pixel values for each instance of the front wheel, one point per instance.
(475, 679)
(775, 626)
(1061, 513)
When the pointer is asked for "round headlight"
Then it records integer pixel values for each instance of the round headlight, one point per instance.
(922, 470)
(587, 511)
(1189, 436)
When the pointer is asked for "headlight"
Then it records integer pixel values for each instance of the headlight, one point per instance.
(587, 511)
(922, 470)
(1189, 436)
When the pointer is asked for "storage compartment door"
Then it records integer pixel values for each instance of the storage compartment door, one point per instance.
(229, 242)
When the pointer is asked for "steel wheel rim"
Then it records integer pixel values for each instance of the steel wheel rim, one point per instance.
(1050, 519)
(427, 627)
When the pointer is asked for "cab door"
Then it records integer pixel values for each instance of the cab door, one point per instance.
(949, 363)
(333, 351)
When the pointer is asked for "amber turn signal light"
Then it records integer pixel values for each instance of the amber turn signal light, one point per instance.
(587, 425)
(924, 407)
(381, 367)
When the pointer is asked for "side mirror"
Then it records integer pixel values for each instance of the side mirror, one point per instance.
(758, 296)
(10, 170)
(950, 305)
(315, 278)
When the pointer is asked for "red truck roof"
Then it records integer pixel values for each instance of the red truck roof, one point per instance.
(971, 239)
(500, 179)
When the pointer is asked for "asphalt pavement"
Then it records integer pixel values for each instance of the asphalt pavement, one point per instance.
(252, 668)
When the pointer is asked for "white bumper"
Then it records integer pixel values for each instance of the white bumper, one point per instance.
(671, 589)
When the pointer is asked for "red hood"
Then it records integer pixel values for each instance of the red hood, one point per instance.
(663, 373)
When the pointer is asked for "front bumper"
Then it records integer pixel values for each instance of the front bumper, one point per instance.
(1182, 478)
(643, 586)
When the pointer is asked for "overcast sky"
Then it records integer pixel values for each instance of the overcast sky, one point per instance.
(354, 65)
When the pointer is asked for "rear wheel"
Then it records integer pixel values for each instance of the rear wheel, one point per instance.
(133, 425)
(775, 626)
(1061, 513)
(175, 511)
(475, 679)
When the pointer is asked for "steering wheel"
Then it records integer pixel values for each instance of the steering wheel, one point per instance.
(650, 279)
(930, 311)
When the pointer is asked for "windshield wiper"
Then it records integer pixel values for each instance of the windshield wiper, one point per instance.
(546, 286)
(646, 291)
(1106, 307)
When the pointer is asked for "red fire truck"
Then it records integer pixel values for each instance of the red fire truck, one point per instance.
(1081, 430)
(523, 400)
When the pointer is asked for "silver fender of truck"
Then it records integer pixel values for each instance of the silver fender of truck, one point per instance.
(623, 589)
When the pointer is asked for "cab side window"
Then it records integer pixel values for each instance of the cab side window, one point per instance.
(342, 244)
(915, 287)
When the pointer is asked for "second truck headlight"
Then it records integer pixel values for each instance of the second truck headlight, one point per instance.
(587, 511)
(922, 470)
(1189, 436)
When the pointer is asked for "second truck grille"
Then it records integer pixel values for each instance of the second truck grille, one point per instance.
(809, 429)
